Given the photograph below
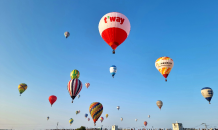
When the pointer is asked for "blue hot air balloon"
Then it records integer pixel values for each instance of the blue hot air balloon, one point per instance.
(86, 115)
(113, 70)
(207, 93)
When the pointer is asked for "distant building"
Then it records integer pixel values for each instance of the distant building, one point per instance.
(177, 126)
(114, 127)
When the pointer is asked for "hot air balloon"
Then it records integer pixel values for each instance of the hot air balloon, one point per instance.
(87, 85)
(66, 34)
(86, 115)
(74, 87)
(47, 118)
(114, 28)
(113, 70)
(74, 74)
(22, 87)
(159, 104)
(118, 107)
(145, 123)
(148, 116)
(71, 121)
(52, 99)
(95, 109)
(136, 119)
(106, 115)
(101, 119)
(164, 66)
(78, 96)
(77, 112)
(88, 119)
(121, 119)
(207, 93)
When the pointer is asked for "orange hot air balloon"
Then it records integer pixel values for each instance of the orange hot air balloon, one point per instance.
(145, 123)
(114, 28)
(52, 99)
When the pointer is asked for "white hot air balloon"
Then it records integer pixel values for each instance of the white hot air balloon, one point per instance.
(159, 103)
(121, 119)
(148, 116)
(118, 107)
(136, 119)
(207, 93)
(78, 96)
(113, 70)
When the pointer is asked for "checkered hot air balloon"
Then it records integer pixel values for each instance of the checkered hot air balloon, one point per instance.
(95, 110)
(74, 87)
(164, 66)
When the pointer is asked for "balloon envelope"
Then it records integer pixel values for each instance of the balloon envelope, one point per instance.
(22, 87)
(159, 103)
(74, 87)
(52, 99)
(113, 70)
(207, 93)
(74, 74)
(95, 110)
(87, 85)
(145, 123)
(114, 28)
(66, 34)
(164, 65)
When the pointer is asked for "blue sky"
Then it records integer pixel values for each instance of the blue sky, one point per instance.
(33, 50)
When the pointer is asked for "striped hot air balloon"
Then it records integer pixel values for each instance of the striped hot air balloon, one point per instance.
(74, 87)
(114, 28)
(95, 109)
(207, 93)
(74, 74)
(164, 66)
(22, 87)
(87, 85)
(102, 118)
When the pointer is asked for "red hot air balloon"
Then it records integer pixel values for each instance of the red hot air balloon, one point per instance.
(145, 123)
(114, 28)
(52, 99)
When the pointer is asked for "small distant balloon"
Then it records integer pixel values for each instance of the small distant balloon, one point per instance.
(106, 115)
(86, 115)
(207, 93)
(118, 107)
(71, 121)
(159, 104)
(66, 34)
(52, 99)
(87, 85)
(121, 119)
(113, 70)
(22, 87)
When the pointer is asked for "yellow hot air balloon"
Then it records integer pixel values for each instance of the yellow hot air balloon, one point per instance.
(74, 74)
(71, 121)
(22, 87)
(106, 115)
(164, 66)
